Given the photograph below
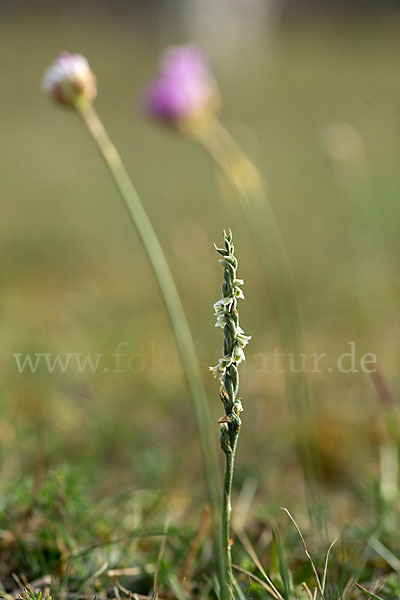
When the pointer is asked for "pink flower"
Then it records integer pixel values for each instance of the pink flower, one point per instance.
(185, 89)
(70, 79)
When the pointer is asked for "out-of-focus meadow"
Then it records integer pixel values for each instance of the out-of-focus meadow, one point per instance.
(75, 278)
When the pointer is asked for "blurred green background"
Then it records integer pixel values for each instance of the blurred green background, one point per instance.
(75, 278)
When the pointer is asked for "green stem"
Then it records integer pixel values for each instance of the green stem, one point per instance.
(227, 507)
(173, 303)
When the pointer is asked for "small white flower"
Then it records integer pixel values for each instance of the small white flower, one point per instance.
(238, 406)
(243, 339)
(70, 78)
(223, 304)
(220, 321)
(215, 370)
(221, 366)
(238, 354)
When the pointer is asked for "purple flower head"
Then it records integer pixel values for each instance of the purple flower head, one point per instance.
(184, 89)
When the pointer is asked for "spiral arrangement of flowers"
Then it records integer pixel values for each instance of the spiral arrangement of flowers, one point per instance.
(235, 341)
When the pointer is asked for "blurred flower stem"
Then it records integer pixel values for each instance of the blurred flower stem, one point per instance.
(246, 181)
(365, 226)
(173, 303)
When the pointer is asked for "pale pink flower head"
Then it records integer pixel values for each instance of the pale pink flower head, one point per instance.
(184, 91)
(70, 79)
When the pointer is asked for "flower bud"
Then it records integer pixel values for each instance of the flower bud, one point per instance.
(185, 93)
(69, 80)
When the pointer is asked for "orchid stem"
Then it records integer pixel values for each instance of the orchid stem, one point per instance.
(227, 506)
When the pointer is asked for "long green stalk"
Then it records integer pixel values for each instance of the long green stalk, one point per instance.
(173, 303)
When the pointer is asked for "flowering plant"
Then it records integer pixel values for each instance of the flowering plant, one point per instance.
(235, 341)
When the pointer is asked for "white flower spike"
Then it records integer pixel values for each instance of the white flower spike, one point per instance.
(226, 312)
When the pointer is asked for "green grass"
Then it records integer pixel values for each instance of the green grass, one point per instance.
(67, 543)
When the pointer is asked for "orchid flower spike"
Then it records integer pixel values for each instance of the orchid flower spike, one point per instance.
(227, 315)
(70, 80)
